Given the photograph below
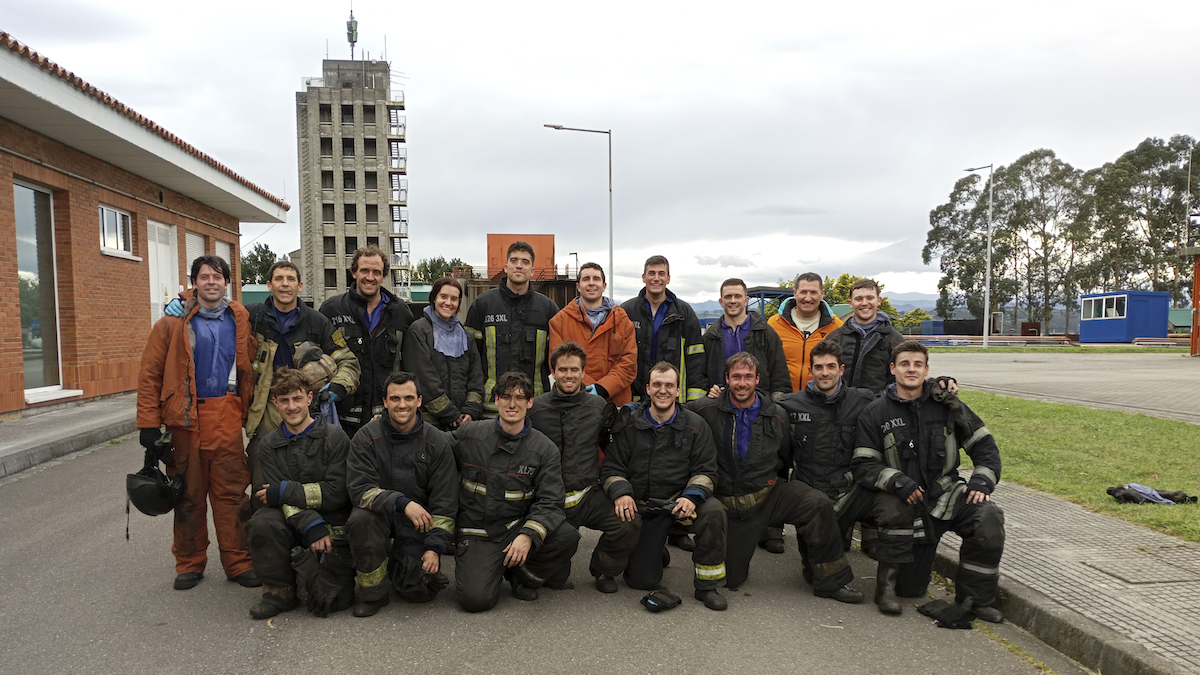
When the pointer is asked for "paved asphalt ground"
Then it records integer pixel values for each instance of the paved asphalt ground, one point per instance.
(1162, 385)
(75, 597)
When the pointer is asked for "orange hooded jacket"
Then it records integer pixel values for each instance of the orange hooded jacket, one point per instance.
(612, 351)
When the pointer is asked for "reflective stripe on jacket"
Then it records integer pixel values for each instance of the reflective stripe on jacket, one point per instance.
(513, 332)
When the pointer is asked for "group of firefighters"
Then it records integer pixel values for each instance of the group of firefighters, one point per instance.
(377, 444)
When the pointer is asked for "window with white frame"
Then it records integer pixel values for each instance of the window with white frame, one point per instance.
(1110, 307)
(116, 233)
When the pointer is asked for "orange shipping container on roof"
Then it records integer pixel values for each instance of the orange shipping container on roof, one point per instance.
(543, 249)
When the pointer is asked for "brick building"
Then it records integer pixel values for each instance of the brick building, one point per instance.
(101, 213)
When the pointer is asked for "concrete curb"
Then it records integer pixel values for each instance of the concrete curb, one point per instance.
(26, 458)
(1091, 644)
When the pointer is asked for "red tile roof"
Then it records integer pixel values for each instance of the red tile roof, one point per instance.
(11, 43)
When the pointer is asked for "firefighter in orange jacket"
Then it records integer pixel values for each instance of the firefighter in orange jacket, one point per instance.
(196, 379)
(606, 334)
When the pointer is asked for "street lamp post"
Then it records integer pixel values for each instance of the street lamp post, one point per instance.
(987, 274)
(611, 272)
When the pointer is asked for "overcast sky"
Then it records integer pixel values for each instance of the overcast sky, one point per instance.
(749, 139)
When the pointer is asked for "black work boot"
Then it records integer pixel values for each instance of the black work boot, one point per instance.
(188, 580)
(885, 589)
(712, 599)
(365, 608)
(684, 542)
(606, 584)
(988, 613)
(841, 594)
(275, 600)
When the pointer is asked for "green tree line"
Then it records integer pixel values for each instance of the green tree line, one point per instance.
(1060, 232)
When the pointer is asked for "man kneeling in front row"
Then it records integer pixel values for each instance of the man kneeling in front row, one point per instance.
(663, 464)
(304, 468)
(402, 478)
(510, 520)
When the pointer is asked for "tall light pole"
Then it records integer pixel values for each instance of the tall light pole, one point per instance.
(987, 274)
(611, 272)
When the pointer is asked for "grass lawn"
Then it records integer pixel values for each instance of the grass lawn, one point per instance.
(1124, 349)
(1077, 453)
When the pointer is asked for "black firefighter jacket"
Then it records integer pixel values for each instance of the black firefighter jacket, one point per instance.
(306, 478)
(574, 423)
(388, 468)
(744, 482)
(514, 335)
(679, 343)
(762, 343)
(903, 445)
(645, 462)
(450, 387)
(378, 351)
(868, 360)
(311, 326)
(509, 483)
(823, 435)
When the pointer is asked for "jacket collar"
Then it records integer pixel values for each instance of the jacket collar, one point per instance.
(507, 293)
(395, 434)
(642, 421)
(811, 390)
(785, 312)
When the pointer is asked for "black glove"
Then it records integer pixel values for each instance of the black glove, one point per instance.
(147, 437)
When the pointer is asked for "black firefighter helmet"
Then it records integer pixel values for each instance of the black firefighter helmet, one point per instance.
(150, 490)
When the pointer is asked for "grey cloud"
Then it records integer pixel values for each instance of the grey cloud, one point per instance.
(785, 211)
(725, 261)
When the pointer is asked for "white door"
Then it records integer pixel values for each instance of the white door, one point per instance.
(164, 270)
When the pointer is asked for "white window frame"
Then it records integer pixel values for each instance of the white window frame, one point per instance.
(1097, 306)
(123, 237)
(52, 392)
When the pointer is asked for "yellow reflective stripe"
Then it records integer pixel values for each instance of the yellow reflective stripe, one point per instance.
(337, 531)
(709, 572)
(517, 495)
(289, 510)
(889, 450)
(536, 527)
(489, 355)
(373, 578)
(474, 397)
(868, 453)
(438, 404)
(573, 498)
(976, 437)
(682, 371)
(703, 481)
(473, 531)
(944, 509)
(510, 525)
(693, 394)
(473, 333)
(985, 472)
(443, 523)
(312, 495)
(368, 497)
(472, 486)
(608, 482)
(885, 477)
(539, 357)
(695, 349)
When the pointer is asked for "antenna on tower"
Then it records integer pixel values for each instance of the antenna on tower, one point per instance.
(352, 32)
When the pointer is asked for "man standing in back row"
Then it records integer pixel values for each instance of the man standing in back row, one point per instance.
(802, 322)
(606, 334)
(371, 322)
(667, 330)
(867, 339)
(512, 325)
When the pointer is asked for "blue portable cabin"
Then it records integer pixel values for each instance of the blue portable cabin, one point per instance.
(1121, 316)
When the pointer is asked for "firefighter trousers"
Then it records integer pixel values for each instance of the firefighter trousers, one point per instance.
(811, 512)
(212, 460)
(368, 533)
(479, 569)
(611, 555)
(272, 541)
(981, 527)
(890, 516)
(645, 570)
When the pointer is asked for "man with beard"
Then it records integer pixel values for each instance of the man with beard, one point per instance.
(577, 422)
(752, 465)
(402, 477)
(823, 419)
